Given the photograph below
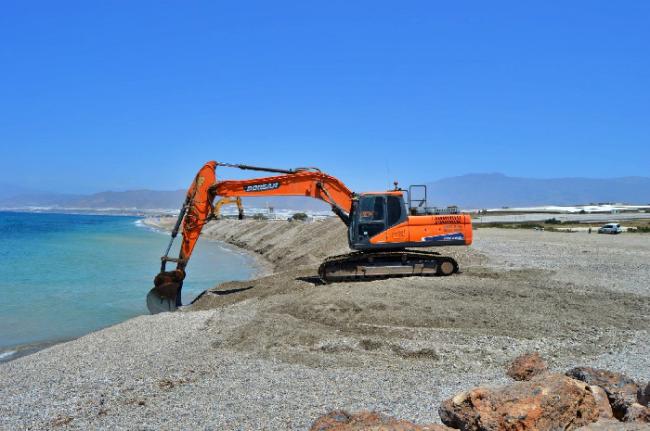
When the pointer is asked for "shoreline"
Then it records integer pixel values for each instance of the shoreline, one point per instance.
(11, 353)
(262, 266)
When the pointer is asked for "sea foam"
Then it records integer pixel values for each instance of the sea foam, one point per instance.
(6, 355)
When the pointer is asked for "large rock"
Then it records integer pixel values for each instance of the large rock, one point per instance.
(527, 366)
(604, 409)
(621, 390)
(637, 413)
(340, 420)
(644, 395)
(548, 402)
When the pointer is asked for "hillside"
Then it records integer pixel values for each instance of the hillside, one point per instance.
(498, 190)
(142, 200)
(466, 191)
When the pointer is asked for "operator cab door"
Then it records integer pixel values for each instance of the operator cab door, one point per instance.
(371, 218)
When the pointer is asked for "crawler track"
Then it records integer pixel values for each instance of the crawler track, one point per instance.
(364, 265)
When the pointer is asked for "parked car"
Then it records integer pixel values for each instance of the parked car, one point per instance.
(612, 228)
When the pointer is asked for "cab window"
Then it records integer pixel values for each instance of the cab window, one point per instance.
(394, 210)
(372, 208)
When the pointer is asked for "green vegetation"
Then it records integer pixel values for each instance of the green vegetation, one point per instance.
(299, 217)
(640, 229)
(260, 216)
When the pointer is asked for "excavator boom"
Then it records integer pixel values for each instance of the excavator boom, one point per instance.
(309, 183)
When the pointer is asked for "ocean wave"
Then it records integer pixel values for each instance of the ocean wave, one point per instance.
(141, 224)
(6, 355)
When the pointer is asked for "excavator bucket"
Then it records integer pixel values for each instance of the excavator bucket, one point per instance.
(166, 293)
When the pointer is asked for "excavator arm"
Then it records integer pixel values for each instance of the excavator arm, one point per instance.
(198, 209)
(306, 182)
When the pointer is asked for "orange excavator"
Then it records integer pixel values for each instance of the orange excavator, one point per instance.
(382, 228)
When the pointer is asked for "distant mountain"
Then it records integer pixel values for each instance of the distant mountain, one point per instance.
(466, 191)
(142, 200)
(37, 199)
(10, 190)
(498, 190)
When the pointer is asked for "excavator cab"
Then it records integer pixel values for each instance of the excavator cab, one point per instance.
(383, 221)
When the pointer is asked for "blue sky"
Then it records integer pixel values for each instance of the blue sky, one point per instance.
(135, 94)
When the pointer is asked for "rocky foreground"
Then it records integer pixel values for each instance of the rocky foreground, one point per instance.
(281, 351)
(583, 399)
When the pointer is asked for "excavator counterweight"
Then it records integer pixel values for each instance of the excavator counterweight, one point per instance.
(381, 227)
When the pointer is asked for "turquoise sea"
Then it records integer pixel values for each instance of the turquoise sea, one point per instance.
(63, 275)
